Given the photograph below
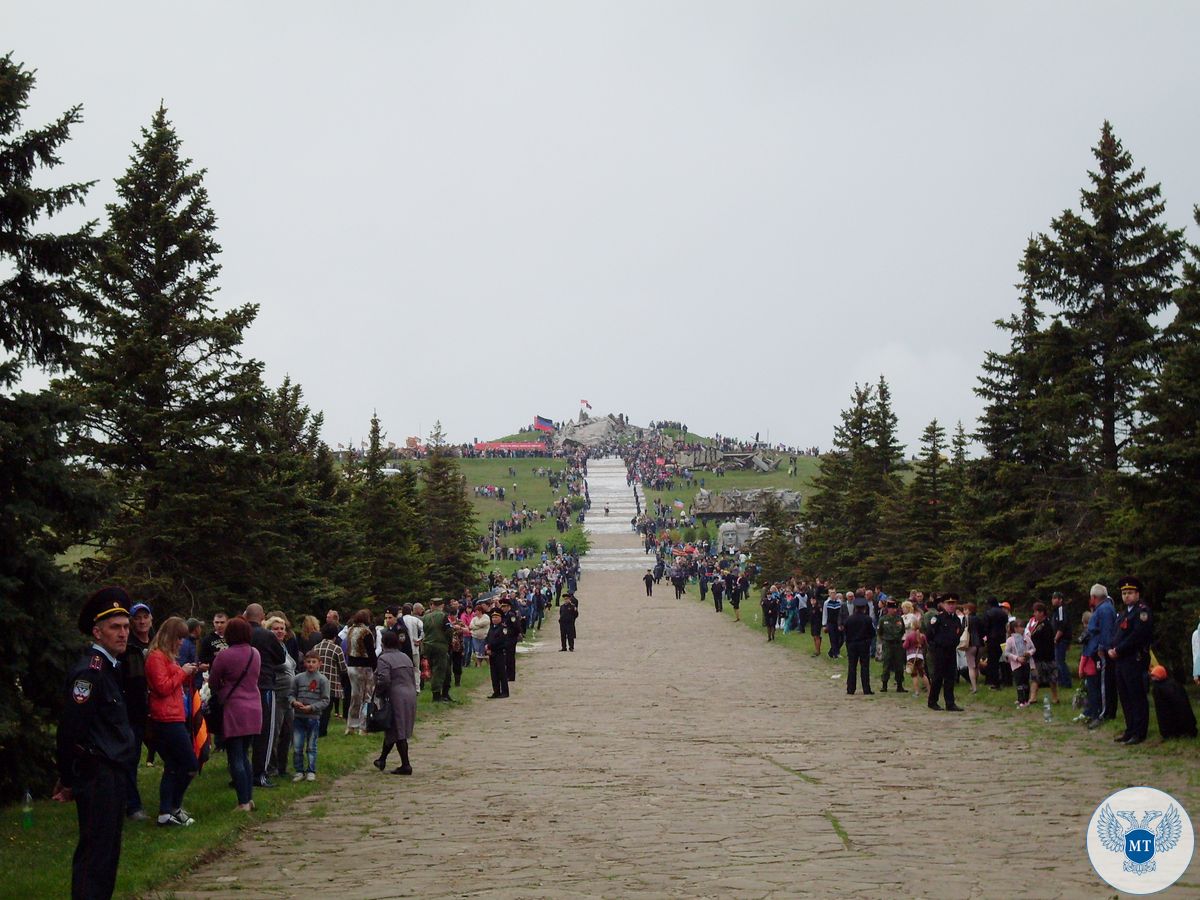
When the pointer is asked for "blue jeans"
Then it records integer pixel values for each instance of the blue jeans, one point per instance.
(304, 736)
(237, 753)
(1060, 657)
(173, 742)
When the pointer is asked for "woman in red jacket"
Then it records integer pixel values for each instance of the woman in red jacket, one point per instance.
(169, 734)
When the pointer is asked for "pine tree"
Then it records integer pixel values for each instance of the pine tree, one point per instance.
(1108, 273)
(46, 503)
(1164, 532)
(839, 509)
(388, 517)
(776, 551)
(170, 404)
(449, 521)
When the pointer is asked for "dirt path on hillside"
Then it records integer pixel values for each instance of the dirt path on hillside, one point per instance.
(677, 754)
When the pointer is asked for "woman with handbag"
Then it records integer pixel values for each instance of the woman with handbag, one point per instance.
(233, 683)
(360, 663)
(395, 686)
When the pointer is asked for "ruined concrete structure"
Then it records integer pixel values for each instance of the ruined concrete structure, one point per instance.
(732, 503)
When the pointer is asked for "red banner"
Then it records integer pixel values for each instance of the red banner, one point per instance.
(510, 445)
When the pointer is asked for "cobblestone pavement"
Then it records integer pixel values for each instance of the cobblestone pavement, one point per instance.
(674, 754)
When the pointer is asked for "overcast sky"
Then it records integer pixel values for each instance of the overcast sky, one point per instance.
(723, 213)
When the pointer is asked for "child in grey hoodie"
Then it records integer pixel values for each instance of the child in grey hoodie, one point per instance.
(309, 696)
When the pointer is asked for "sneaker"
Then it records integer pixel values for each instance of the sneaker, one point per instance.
(311, 776)
(184, 814)
(138, 815)
(299, 776)
(173, 819)
(264, 782)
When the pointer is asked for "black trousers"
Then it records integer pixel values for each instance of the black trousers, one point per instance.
(499, 680)
(993, 663)
(1112, 692)
(717, 601)
(650, 588)
(945, 671)
(1131, 686)
(859, 654)
(510, 662)
(836, 639)
(100, 806)
(567, 633)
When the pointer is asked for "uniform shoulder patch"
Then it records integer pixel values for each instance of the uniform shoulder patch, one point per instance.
(1145, 617)
(97, 662)
(81, 690)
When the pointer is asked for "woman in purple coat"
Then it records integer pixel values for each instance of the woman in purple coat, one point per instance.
(233, 679)
(394, 675)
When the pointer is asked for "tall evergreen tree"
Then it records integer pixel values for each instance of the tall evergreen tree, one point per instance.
(1109, 272)
(46, 504)
(389, 522)
(839, 508)
(449, 521)
(170, 403)
(1164, 531)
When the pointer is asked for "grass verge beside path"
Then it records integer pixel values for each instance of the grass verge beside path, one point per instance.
(1155, 757)
(37, 862)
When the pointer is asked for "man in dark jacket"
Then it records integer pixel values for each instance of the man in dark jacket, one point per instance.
(995, 629)
(1061, 624)
(859, 633)
(943, 631)
(567, 614)
(1171, 706)
(271, 653)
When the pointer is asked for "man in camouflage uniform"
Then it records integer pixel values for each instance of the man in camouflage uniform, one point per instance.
(891, 638)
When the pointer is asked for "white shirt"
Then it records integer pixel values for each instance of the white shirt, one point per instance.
(416, 631)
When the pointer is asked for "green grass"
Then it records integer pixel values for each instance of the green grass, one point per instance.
(37, 862)
(532, 490)
(1155, 756)
(806, 469)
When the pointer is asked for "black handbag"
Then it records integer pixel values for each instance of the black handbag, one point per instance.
(379, 714)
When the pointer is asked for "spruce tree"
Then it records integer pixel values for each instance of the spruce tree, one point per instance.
(388, 515)
(46, 504)
(449, 521)
(170, 404)
(1108, 272)
(1163, 531)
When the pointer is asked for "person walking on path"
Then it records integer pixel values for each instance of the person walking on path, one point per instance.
(648, 578)
(859, 632)
(944, 632)
(394, 679)
(718, 591)
(96, 745)
(891, 637)
(770, 610)
(567, 614)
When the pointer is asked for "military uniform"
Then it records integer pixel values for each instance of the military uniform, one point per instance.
(891, 636)
(1131, 647)
(944, 631)
(436, 648)
(496, 643)
(567, 614)
(95, 748)
(515, 625)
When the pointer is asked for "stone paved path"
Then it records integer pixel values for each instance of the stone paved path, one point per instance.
(675, 754)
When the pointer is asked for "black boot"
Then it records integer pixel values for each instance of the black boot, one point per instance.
(405, 768)
(383, 755)
(883, 688)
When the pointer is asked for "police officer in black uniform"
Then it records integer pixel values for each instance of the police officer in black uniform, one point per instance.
(515, 626)
(1131, 650)
(944, 631)
(96, 745)
(496, 644)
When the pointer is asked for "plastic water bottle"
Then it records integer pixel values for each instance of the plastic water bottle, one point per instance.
(1047, 714)
(27, 811)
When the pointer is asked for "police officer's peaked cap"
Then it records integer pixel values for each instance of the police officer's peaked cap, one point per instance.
(105, 603)
(890, 601)
(950, 597)
(1130, 581)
